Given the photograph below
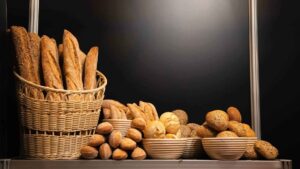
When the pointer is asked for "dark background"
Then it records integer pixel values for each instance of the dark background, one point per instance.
(176, 54)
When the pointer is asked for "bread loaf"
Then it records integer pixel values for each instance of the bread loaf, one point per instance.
(115, 139)
(96, 140)
(72, 64)
(51, 68)
(127, 144)
(138, 123)
(24, 53)
(91, 68)
(119, 154)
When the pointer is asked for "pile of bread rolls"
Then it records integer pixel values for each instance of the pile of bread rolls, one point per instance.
(109, 143)
(63, 66)
(219, 123)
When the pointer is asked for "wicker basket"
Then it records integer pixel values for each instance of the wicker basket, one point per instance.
(57, 129)
(54, 145)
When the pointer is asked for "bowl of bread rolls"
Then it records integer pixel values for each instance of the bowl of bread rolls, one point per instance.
(163, 139)
(226, 137)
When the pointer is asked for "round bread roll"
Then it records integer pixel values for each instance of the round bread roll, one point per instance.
(217, 120)
(96, 140)
(127, 144)
(104, 128)
(171, 136)
(115, 139)
(227, 134)
(119, 154)
(134, 134)
(185, 131)
(105, 151)
(194, 133)
(138, 123)
(171, 122)
(237, 128)
(249, 131)
(138, 154)
(182, 115)
(155, 129)
(204, 131)
(234, 114)
(250, 153)
(193, 126)
(88, 152)
(266, 150)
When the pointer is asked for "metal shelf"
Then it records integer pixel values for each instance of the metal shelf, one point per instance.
(145, 164)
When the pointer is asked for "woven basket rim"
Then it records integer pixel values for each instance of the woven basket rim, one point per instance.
(63, 90)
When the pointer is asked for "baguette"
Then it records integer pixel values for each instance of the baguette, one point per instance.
(91, 68)
(72, 64)
(51, 68)
(24, 52)
(35, 55)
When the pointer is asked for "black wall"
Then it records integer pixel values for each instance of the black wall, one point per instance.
(182, 54)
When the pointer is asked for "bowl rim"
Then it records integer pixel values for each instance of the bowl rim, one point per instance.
(116, 120)
(166, 139)
(229, 138)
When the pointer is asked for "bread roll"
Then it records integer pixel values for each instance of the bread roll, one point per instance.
(90, 69)
(138, 154)
(171, 122)
(234, 114)
(127, 144)
(96, 140)
(88, 152)
(227, 134)
(182, 115)
(115, 139)
(217, 120)
(155, 129)
(185, 131)
(237, 128)
(204, 131)
(51, 68)
(138, 123)
(134, 134)
(119, 154)
(72, 64)
(107, 102)
(104, 128)
(266, 150)
(105, 151)
(250, 153)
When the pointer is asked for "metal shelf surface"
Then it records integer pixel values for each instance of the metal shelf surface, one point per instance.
(145, 164)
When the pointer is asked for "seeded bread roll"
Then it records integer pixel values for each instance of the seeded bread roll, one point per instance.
(51, 69)
(266, 150)
(234, 114)
(26, 63)
(226, 134)
(91, 68)
(72, 64)
(217, 120)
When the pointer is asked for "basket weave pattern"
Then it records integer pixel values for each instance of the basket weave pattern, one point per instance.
(57, 129)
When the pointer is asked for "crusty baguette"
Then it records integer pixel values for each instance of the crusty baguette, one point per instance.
(72, 64)
(91, 68)
(35, 55)
(24, 54)
(51, 68)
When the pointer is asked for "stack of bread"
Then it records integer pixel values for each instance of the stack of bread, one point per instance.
(41, 61)
(109, 143)
(229, 124)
